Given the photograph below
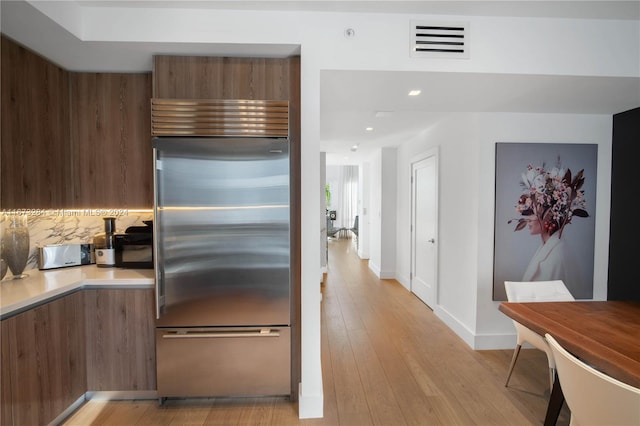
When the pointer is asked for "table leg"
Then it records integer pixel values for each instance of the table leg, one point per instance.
(556, 399)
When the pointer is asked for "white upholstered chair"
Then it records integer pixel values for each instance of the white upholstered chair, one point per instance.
(593, 397)
(534, 291)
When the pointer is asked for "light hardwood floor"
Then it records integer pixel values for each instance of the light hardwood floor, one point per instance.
(386, 360)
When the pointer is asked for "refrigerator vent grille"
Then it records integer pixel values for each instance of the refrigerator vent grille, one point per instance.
(440, 39)
(223, 117)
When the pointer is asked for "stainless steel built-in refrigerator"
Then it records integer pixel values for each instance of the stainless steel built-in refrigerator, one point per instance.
(222, 252)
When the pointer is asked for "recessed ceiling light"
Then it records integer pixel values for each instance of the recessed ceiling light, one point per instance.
(369, 129)
(415, 92)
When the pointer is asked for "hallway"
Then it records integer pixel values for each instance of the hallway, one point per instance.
(387, 360)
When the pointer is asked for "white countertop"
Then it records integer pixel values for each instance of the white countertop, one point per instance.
(18, 294)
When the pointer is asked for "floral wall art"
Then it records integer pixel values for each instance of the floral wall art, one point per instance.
(545, 215)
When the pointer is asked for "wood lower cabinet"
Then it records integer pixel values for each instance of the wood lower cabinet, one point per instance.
(45, 350)
(91, 340)
(5, 375)
(120, 340)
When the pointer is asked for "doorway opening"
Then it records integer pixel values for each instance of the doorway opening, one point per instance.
(342, 201)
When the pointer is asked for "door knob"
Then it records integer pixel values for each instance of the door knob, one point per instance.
(432, 241)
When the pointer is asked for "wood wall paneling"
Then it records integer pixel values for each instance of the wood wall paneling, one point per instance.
(256, 78)
(296, 225)
(189, 77)
(204, 77)
(111, 139)
(35, 148)
(47, 358)
(120, 340)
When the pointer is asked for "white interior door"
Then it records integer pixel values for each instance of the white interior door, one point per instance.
(424, 202)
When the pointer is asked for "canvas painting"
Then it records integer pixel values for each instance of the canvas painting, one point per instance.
(545, 215)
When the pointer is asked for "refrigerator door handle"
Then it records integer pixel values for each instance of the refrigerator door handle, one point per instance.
(265, 332)
(157, 165)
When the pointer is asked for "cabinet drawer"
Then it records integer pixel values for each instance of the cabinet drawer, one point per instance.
(207, 362)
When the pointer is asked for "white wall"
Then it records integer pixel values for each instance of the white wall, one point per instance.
(498, 44)
(417, 144)
(374, 232)
(509, 45)
(388, 212)
(322, 212)
(457, 234)
(311, 394)
(363, 209)
(383, 212)
(467, 185)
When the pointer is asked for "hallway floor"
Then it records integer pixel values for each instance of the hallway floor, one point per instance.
(387, 360)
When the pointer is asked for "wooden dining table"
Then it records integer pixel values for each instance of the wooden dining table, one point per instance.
(604, 334)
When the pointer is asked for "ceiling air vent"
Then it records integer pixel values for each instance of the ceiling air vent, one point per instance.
(440, 39)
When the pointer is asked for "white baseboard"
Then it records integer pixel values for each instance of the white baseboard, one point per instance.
(406, 283)
(310, 406)
(496, 341)
(476, 341)
(452, 322)
(374, 268)
(387, 275)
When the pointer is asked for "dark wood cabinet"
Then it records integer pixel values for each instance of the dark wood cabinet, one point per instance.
(35, 151)
(73, 139)
(45, 359)
(5, 375)
(120, 327)
(111, 140)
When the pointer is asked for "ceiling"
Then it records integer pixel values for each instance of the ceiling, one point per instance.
(588, 9)
(348, 103)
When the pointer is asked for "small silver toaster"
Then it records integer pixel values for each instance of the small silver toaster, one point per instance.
(62, 255)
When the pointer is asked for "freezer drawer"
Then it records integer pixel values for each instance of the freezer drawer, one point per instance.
(205, 362)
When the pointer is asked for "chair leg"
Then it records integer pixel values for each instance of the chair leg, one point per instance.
(516, 352)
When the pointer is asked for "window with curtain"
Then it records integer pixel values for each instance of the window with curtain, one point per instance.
(343, 183)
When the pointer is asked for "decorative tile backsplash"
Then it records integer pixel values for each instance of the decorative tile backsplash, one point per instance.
(48, 227)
